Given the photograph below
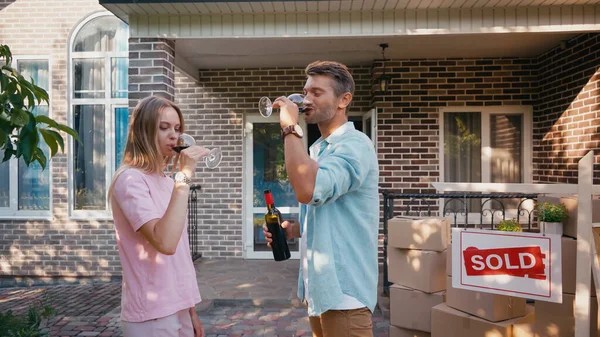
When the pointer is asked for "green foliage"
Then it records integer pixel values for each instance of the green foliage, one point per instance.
(458, 144)
(27, 325)
(20, 129)
(510, 225)
(549, 212)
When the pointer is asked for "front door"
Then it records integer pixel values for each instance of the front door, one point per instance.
(265, 169)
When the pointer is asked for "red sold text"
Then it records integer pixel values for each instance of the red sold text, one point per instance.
(516, 261)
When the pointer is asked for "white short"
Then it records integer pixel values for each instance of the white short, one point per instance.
(177, 325)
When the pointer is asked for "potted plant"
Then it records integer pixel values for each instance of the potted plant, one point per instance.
(551, 217)
(510, 225)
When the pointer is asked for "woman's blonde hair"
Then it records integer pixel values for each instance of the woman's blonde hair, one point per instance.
(142, 150)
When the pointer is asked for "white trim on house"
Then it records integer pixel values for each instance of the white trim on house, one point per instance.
(13, 212)
(109, 105)
(486, 152)
(376, 22)
(248, 209)
(486, 112)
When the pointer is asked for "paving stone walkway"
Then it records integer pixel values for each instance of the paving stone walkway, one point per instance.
(240, 298)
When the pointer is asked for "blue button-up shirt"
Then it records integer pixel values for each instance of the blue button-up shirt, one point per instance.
(342, 222)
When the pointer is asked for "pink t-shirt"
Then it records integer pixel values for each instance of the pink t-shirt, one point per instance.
(155, 285)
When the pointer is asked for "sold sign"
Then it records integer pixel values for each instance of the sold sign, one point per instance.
(520, 262)
(515, 264)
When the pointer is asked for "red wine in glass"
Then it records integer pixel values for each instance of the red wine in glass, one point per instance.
(212, 160)
(179, 148)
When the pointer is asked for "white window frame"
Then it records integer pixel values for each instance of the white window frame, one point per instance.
(13, 212)
(109, 105)
(486, 150)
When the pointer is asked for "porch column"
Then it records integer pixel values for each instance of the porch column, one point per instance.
(151, 69)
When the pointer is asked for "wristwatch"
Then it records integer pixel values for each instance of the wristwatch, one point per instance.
(295, 129)
(180, 177)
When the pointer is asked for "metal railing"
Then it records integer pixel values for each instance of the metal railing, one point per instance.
(457, 205)
(193, 222)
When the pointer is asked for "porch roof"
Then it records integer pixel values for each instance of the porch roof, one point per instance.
(218, 34)
(124, 8)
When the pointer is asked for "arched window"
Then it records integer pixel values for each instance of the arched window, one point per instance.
(98, 67)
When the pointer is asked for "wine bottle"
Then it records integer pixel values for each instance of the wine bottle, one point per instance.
(280, 248)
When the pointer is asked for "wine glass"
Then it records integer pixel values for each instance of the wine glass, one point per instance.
(265, 106)
(212, 160)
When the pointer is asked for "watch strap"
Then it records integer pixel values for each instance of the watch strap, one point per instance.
(290, 129)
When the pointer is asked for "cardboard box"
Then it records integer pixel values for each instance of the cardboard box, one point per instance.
(448, 322)
(570, 224)
(402, 332)
(524, 330)
(568, 261)
(491, 307)
(411, 309)
(426, 233)
(558, 319)
(569, 272)
(422, 270)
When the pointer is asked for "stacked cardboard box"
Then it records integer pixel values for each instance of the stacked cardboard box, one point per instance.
(449, 322)
(479, 312)
(558, 319)
(417, 267)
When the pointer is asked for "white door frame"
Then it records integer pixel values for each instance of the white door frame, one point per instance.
(248, 209)
(372, 115)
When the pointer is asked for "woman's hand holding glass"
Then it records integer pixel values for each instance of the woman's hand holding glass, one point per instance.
(189, 154)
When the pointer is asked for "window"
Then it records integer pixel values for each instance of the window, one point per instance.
(485, 145)
(25, 190)
(98, 66)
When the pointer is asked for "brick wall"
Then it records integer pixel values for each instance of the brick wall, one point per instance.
(58, 247)
(408, 117)
(151, 69)
(4, 3)
(214, 110)
(567, 117)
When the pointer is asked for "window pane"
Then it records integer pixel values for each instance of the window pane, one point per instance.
(34, 183)
(105, 33)
(36, 69)
(5, 184)
(462, 153)
(121, 128)
(89, 78)
(260, 242)
(119, 74)
(89, 158)
(506, 141)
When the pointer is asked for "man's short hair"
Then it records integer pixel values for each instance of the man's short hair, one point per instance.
(336, 71)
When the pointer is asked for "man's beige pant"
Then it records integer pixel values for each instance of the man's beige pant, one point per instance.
(177, 325)
(342, 323)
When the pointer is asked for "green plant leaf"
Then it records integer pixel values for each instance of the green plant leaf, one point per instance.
(47, 120)
(69, 131)
(50, 140)
(19, 117)
(8, 153)
(40, 157)
(58, 138)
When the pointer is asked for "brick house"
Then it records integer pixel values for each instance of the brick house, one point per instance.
(514, 81)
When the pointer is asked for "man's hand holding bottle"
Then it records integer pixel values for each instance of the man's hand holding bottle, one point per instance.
(291, 227)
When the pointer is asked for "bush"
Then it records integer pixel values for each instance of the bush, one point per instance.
(548, 212)
(27, 325)
(509, 226)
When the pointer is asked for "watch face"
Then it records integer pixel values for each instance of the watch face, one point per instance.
(298, 130)
(179, 176)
